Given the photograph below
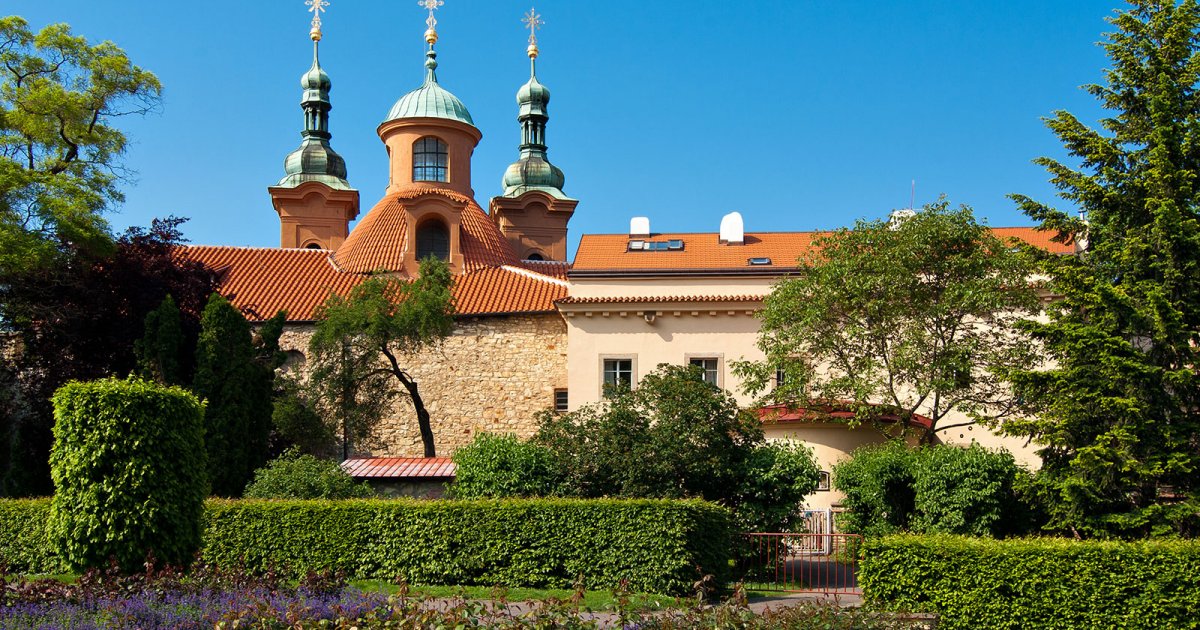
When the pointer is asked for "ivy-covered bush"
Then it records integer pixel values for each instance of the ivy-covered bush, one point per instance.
(496, 466)
(299, 476)
(1036, 583)
(128, 465)
(893, 487)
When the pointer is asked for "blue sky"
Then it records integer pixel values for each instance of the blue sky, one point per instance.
(800, 114)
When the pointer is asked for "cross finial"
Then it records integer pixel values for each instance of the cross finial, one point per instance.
(316, 7)
(431, 22)
(533, 22)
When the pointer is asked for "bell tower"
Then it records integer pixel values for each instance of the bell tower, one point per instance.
(533, 211)
(314, 201)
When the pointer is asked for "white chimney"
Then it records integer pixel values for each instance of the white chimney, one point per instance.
(639, 226)
(732, 230)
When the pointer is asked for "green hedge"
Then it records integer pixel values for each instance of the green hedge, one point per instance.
(658, 546)
(24, 545)
(1036, 583)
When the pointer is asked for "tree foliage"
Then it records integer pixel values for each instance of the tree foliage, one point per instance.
(363, 340)
(895, 318)
(237, 390)
(80, 320)
(1117, 408)
(160, 351)
(676, 436)
(129, 474)
(59, 153)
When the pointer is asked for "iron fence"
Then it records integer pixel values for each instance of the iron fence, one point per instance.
(805, 563)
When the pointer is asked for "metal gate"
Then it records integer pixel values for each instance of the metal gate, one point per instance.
(804, 563)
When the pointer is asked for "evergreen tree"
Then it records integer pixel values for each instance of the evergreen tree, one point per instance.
(238, 412)
(1118, 408)
(160, 351)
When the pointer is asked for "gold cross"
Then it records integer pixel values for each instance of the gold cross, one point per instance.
(533, 22)
(432, 5)
(317, 7)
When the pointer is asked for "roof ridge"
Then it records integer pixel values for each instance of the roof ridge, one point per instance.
(256, 248)
(529, 273)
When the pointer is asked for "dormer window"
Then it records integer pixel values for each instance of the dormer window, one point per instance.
(433, 239)
(430, 160)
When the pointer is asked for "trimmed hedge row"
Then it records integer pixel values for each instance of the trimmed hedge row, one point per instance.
(1036, 583)
(658, 546)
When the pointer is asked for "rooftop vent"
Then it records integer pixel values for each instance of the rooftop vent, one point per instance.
(756, 262)
(732, 232)
(639, 226)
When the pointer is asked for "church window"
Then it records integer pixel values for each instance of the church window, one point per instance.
(535, 256)
(313, 246)
(433, 239)
(560, 400)
(430, 160)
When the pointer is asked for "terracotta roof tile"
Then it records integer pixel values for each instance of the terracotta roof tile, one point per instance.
(506, 290)
(660, 298)
(553, 268)
(380, 240)
(703, 251)
(399, 467)
(262, 281)
(782, 414)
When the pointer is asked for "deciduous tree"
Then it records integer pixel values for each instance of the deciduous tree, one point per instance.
(895, 318)
(1118, 407)
(367, 337)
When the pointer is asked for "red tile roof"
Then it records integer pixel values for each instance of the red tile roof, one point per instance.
(380, 240)
(399, 467)
(660, 298)
(703, 251)
(262, 281)
(781, 414)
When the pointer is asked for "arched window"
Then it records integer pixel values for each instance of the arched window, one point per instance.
(429, 160)
(313, 246)
(433, 239)
(535, 256)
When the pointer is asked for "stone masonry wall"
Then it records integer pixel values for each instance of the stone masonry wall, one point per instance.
(493, 374)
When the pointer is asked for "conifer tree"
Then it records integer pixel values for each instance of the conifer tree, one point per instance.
(1117, 408)
(160, 350)
(238, 412)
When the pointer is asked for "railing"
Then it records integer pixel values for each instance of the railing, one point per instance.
(804, 563)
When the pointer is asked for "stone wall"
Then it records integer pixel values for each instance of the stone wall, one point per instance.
(494, 374)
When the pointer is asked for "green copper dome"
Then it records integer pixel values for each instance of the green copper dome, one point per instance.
(315, 160)
(533, 170)
(430, 100)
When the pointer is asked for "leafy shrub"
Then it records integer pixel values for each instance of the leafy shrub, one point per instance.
(1036, 583)
(879, 484)
(129, 473)
(496, 466)
(778, 475)
(939, 489)
(24, 547)
(299, 476)
(657, 546)
(965, 491)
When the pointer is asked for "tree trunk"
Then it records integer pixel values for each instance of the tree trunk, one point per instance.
(418, 404)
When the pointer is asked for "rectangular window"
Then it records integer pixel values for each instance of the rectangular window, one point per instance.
(780, 376)
(711, 367)
(823, 481)
(618, 374)
(560, 400)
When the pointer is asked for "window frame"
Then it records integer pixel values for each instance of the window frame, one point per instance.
(565, 404)
(425, 225)
(633, 371)
(719, 371)
(440, 166)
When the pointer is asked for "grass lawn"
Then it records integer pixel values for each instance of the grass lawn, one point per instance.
(592, 600)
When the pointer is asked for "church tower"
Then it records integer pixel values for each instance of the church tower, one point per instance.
(533, 211)
(314, 201)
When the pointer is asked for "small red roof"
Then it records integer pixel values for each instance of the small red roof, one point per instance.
(399, 467)
(658, 298)
(780, 414)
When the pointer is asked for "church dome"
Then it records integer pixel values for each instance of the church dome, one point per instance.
(532, 172)
(430, 100)
(533, 91)
(316, 79)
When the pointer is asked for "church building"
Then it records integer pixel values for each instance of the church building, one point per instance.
(533, 331)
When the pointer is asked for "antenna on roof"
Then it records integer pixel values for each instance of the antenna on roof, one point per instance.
(912, 196)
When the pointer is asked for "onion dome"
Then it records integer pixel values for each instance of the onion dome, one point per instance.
(315, 160)
(533, 170)
(430, 100)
